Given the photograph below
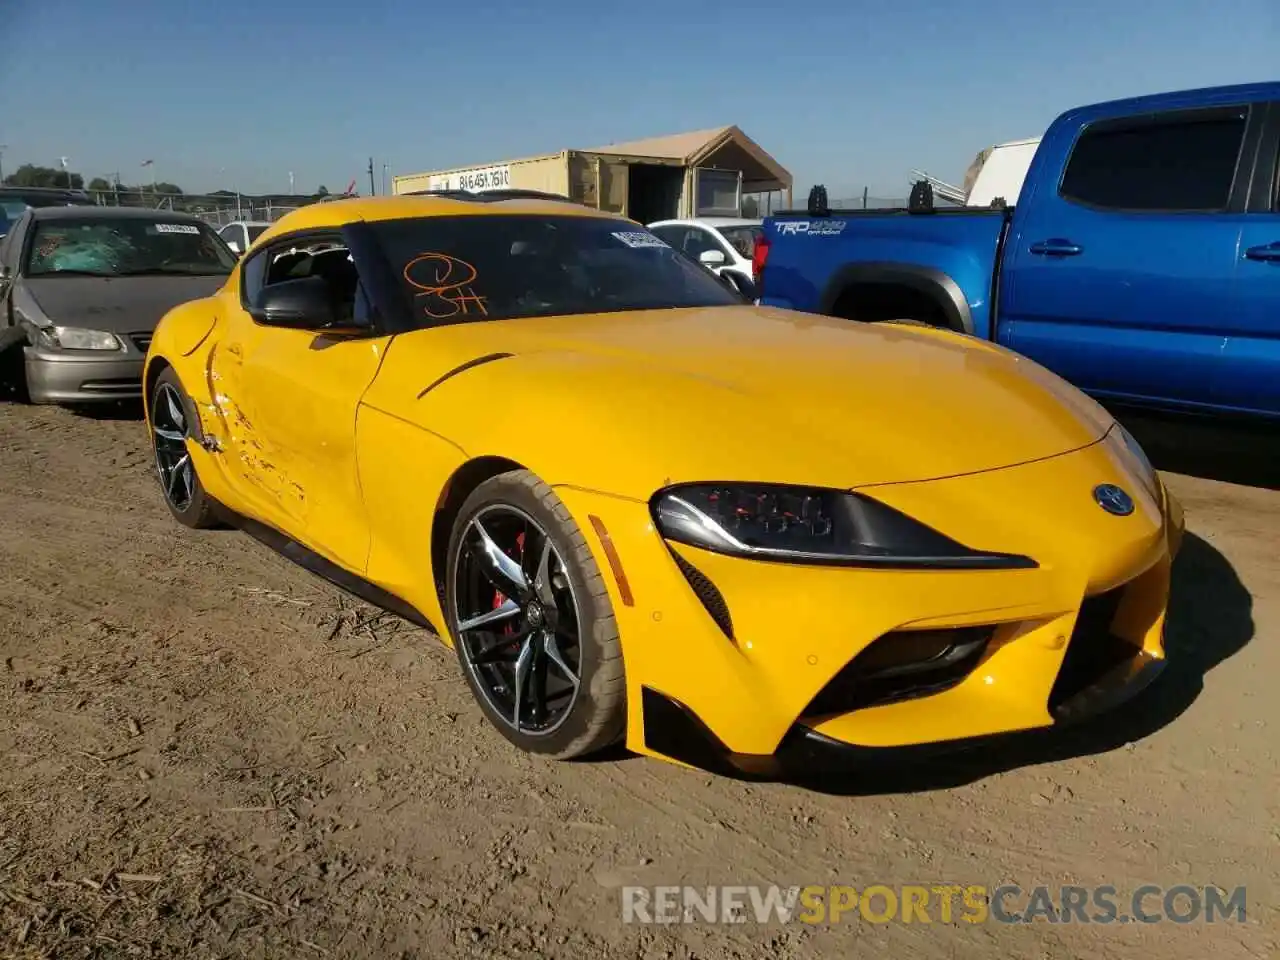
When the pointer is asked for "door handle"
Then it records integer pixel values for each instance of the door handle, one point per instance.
(1056, 248)
(1269, 252)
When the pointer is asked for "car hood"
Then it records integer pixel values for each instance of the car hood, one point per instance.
(744, 392)
(115, 304)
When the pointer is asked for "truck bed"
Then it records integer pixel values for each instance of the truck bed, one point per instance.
(814, 261)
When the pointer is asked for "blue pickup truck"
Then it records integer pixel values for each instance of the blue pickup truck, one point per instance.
(1141, 260)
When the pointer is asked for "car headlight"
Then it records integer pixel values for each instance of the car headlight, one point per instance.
(1135, 448)
(1146, 471)
(809, 525)
(76, 338)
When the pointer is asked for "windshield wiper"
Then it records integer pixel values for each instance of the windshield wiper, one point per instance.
(69, 273)
(171, 272)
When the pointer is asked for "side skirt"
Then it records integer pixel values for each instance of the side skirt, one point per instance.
(327, 570)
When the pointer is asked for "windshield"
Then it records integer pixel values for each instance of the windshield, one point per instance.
(742, 239)
(121, 247)
(498, 267)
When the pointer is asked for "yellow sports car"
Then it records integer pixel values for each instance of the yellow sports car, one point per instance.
(639, 509)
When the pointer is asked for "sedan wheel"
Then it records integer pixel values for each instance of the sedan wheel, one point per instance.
(538, 645)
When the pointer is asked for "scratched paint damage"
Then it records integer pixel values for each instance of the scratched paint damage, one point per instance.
(252, 457)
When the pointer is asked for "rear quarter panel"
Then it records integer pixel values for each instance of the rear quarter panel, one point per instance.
(812, 258)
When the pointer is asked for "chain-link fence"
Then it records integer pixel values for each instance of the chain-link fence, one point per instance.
(226, 206)
(218, 208)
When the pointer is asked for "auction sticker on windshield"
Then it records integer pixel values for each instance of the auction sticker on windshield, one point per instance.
(639, 239)
(177, 228)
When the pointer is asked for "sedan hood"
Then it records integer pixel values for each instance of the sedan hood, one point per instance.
(115, 304)
(754, 392)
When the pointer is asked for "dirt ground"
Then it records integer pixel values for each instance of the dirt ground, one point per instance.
(206, 752)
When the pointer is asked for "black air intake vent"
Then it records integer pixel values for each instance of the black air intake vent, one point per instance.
(708, 594)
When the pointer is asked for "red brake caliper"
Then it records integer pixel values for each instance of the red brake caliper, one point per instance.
(498, 597)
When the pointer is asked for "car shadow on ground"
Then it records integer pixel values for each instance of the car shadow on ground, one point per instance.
(1215, 449)
(1210, 619)
(117, 410)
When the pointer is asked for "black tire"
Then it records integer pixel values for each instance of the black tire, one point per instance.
(596, 716)
(198, 510)
(13, 366)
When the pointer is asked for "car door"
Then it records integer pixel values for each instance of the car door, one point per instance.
(10, 259)
(699, 240)
(1123, 256)
(289, 398)
(738, 264)
(1251, 356)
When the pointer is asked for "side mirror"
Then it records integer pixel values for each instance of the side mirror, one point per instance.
(302, 304)
(712, 258)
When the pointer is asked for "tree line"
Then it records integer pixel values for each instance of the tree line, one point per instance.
(33, 175)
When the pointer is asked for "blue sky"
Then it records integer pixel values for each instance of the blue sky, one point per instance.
(238, 94)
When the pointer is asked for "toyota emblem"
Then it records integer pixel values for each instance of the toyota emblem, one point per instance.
(1113, 499)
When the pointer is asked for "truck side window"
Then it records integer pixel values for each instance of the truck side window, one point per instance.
(1175, 162)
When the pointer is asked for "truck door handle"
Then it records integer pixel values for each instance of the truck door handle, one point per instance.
(1056, 248)
(1269, 252)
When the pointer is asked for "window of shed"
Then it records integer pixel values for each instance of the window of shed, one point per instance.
(718, 193)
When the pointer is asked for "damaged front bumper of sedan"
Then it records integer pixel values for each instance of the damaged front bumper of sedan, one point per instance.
(57, 375)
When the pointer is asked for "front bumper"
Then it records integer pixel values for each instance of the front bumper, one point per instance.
(731, 676)
(82, 377)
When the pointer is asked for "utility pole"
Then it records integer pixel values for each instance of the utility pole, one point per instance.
(373, 187)
(3, 148)
(384, 178)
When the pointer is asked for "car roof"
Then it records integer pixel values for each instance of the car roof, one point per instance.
(111, 213)
(712, 222)
(338, 213)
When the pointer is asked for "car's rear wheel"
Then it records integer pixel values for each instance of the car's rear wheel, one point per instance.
(531, 620)
(172, 419)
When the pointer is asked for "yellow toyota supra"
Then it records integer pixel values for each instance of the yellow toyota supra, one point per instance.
(642, 510)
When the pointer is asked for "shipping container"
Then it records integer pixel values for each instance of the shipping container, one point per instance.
(703, 173)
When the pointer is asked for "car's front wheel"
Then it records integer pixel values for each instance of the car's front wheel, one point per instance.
(531, 620)
(172, 419)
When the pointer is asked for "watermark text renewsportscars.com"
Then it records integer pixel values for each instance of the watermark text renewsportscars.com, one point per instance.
(933, 903)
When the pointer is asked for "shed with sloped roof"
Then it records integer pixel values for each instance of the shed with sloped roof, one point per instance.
(699, 173)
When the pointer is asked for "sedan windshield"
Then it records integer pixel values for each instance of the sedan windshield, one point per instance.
(500, 267)
(125, 246)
